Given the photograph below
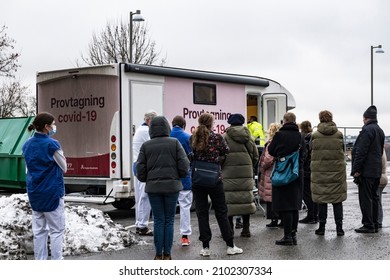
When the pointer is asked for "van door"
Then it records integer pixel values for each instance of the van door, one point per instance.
(145, 96)
(274, 107)
(252, 106)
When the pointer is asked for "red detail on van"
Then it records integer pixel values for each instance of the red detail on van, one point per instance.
(97, 166)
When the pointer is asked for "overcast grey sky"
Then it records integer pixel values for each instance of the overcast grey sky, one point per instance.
(318, 49)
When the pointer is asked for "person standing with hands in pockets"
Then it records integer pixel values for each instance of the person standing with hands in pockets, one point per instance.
(46, 165)
(161, 163)
(367, 168)
(210, 148)
(185, 195)
(287, 199)
(142, 204)
(237, 172)
(328, 171)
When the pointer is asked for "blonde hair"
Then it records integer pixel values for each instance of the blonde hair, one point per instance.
(273, 128)
(150, 115)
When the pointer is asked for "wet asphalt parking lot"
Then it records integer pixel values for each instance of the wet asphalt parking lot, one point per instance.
(261, 245)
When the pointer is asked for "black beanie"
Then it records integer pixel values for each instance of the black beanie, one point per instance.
(370, 113)
(236, 119)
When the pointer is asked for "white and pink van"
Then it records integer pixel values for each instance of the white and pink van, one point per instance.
(98, 108)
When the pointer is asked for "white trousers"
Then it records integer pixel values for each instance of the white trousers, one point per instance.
(185, 202)
(45, 224)
(142, 205)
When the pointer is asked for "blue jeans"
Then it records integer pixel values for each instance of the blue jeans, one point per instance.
(164, 210)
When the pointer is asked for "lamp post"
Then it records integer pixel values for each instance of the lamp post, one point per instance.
(136, 16)
(379, 50)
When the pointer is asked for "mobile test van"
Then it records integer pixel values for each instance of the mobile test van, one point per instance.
(98, 109)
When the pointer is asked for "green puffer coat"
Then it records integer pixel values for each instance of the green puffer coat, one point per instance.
(328, 166)
(237, 171)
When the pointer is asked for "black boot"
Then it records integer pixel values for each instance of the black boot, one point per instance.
(245, 231)
(307, 220)
(294, 237)
(339, 229)
(272, 224)
(238, 223)
(287, 240)
(321, 229)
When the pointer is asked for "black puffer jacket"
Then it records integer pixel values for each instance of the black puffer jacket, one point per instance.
(307, 156)
(286, 141)
(367, 151)
(162, 160)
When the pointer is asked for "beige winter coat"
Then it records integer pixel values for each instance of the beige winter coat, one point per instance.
(328, 166)
(237, 171)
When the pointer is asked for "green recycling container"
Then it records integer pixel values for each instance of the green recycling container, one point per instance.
(13, 134)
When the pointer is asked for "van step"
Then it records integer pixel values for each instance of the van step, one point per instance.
(97, 199)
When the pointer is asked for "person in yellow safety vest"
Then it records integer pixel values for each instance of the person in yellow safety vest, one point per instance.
(256, 130)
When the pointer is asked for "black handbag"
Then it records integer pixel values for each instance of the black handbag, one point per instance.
(205, 174)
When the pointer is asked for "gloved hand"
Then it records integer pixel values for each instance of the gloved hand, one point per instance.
(357, 180)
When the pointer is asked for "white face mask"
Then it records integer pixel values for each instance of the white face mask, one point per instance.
(53, 130)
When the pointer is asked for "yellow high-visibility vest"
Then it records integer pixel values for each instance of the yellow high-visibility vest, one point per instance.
(256, 130)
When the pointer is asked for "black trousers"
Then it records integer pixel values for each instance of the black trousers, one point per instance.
(337, 212)
(290, 221)
(271, 214)
(245, 220)
(312, 208)
(217, 196)
(369, 201)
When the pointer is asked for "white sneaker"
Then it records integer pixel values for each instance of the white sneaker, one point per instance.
(205, 252)
(234, 250)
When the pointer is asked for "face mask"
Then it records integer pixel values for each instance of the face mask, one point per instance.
(53, 130)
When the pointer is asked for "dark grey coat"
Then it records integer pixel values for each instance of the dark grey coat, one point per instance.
(162, 160)
(286, 141)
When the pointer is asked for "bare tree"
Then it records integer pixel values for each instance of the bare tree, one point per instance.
(8, 58)
(15, 99)
(111, 45)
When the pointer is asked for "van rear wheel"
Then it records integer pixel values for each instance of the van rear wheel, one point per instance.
(124, 204)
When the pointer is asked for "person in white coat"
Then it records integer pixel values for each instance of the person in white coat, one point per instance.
(142, 204)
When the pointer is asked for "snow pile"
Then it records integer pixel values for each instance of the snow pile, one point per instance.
(87, 230)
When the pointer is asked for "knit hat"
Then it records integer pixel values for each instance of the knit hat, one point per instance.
(236, 119)
(370, 113)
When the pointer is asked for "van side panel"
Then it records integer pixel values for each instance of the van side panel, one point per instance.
(178, 100)
(84, 107)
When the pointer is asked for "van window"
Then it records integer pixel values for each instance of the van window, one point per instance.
(271, 111)
(205, 94)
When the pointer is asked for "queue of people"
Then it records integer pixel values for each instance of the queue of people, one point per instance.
(164, 165)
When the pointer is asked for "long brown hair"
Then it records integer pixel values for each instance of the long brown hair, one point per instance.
(200, 137)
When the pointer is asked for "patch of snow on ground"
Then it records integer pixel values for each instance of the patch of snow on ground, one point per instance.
(87, 230)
